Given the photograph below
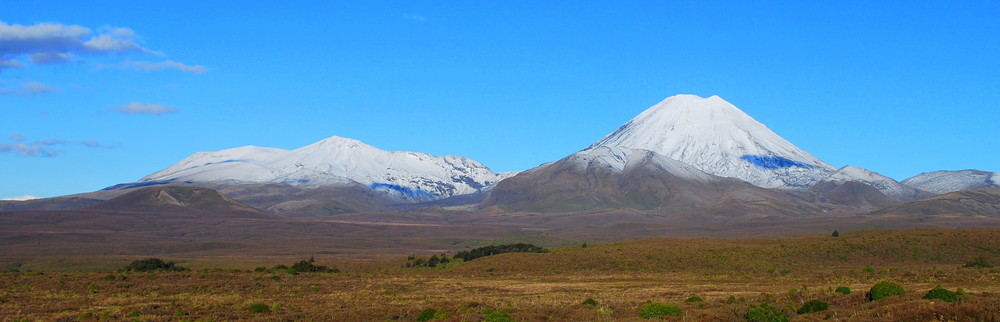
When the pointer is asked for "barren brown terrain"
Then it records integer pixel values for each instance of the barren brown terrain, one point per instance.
(732, 277)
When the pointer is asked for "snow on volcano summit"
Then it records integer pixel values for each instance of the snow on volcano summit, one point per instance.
(338, 161)
(717, 137)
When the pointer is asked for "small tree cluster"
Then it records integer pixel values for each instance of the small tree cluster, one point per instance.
(153, 265)
(469, 255)
(309, 266)
(433, 261)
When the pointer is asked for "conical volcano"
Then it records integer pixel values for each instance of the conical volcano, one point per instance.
(718, 138)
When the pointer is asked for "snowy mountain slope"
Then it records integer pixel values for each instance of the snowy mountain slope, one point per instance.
(606, 178)
(618, 160)
(337, 161)
(718, 138)
(884, 184)
(949, 181)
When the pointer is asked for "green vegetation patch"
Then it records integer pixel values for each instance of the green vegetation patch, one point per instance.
(940, 293)
(496, 316)
(658, 310)
(258, 308)
(694, 299)
(310, 267)
(813, 306)
(426, 315)
(843, 290)
(883, 290)
(154, 265)
(766, 313)
(469, 255)
(590, 302)
(979, 262)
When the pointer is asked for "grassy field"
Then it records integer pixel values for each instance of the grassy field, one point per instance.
(734, 278)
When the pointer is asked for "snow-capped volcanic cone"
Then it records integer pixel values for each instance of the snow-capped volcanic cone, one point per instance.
(337, 161)
(717, 137)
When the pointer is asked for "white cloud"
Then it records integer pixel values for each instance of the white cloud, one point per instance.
(49, 58)
(28, 89)
(44, 148)
(10, 63)
(28, 150)
(152, 66)
(139, 108)
(48, 43)
(21, 198)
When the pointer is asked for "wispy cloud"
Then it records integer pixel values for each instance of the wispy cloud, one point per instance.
(46, 148)
(28, 89)
(52, 43)
(139, 108)
(415, 17)
(28, 150)
(20, 198)
(169, 64)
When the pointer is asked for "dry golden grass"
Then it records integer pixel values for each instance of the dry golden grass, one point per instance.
(729, 274)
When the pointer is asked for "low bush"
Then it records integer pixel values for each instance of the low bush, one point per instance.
(258, 308)
(590, 302)
(694, 299)
(940, 293)
(153, 265)
(979, 262)
(309, 267)
(496, 316)
(426, 315)
(765, 313)
(658, 310)
(883, 290)
(813, 306)
(843, 290)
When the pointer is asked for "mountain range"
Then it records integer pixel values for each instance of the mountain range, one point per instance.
(687, 166)
(685, 154)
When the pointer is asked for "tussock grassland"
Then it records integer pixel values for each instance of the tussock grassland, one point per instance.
(733, 276)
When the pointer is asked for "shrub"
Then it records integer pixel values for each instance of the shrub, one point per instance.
(694, 299)
(496, 316)
(843, 290)
(154, 265)
(258, 308)
(883, 290)
(979, 262)
(657, 310)
(835, 234)
(589, 301)
(765, 313)
(426, 315)
(813, 306)
(940, 293)
(469, 255)
(309, 267)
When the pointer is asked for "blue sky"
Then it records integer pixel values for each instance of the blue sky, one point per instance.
(98, 93)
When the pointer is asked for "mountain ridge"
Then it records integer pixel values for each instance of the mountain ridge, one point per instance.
(337, 161)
